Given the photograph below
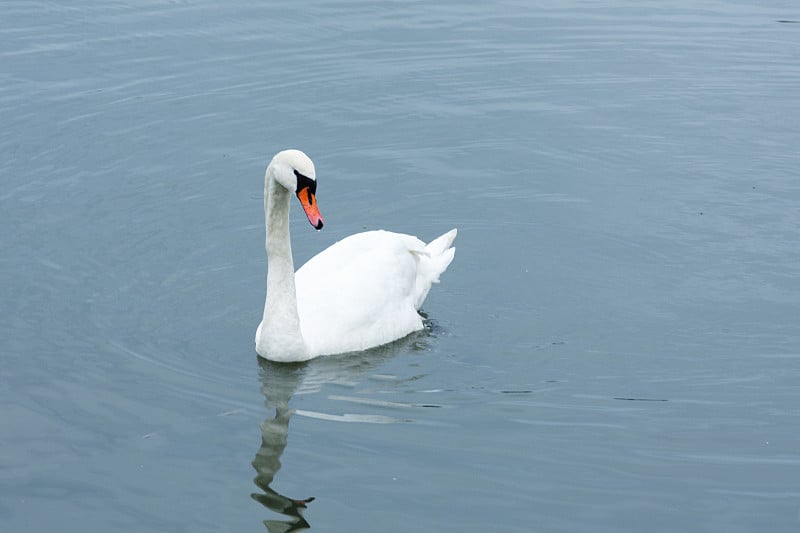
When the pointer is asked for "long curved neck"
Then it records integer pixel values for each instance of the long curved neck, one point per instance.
(280, 328)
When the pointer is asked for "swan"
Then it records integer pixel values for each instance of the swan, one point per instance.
(361, 292)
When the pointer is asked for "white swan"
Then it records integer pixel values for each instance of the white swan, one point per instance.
(361, 292)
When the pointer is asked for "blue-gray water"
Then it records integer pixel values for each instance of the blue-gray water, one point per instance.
(616, 347)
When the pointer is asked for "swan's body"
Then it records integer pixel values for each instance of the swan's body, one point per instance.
(361, 292)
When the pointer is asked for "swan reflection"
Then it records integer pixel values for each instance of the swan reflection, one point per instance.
(278, 384)
(281, 381)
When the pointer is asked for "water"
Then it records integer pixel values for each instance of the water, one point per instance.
(615, 348)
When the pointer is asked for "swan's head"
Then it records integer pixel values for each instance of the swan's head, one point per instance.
(294, 170)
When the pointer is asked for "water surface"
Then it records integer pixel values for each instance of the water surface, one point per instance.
(615, 348)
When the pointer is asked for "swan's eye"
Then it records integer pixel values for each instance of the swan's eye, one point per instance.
(304, 181)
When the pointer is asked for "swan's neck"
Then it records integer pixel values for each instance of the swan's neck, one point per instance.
(280, 335)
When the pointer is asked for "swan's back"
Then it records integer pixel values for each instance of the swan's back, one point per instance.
(365, 290)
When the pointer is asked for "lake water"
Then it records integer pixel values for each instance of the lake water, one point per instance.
(616, 347)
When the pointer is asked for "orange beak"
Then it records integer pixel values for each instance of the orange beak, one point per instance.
(309, 203)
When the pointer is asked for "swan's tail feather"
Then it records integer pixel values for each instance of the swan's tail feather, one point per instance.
(439, 255)
(438, 245)
(441, 262)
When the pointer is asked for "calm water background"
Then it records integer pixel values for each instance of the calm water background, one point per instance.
(615, 348)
